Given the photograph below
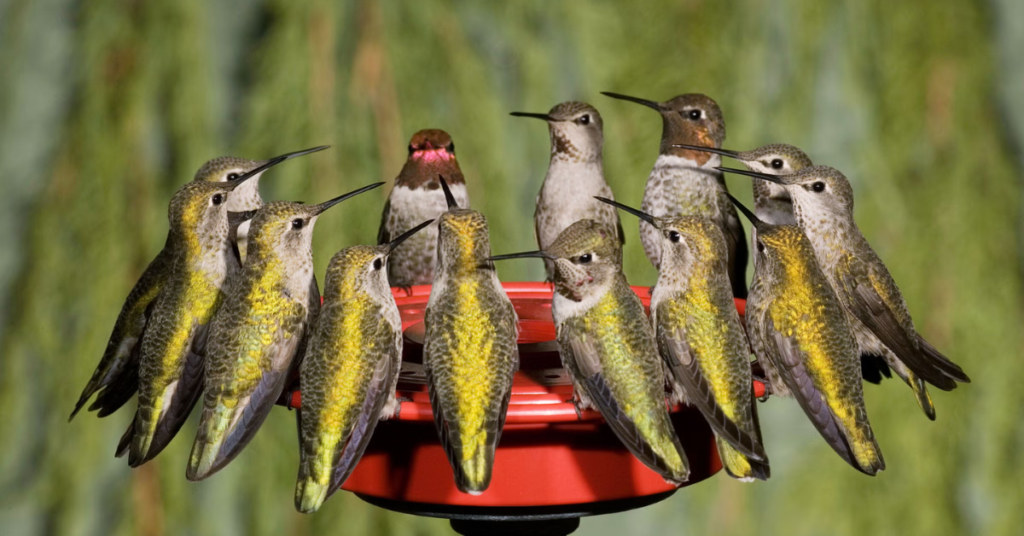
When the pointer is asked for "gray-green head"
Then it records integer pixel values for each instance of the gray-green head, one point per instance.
(364, 269)
(587, 255)
(772, 159)
(576, 131)
(198, 212)
(692, 119)
(777, 246)
(284, 228)
(463, 242)
(227, 168)
(818, 192)
(686, 241)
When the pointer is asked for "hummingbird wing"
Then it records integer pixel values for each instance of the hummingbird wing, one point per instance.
(785, 353)
(383, 236)
(743, 435)
(117, 373)
(582, 357)
(243, 382)
(883, 318)
(380, 390)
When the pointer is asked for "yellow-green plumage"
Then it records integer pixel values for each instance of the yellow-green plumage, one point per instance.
(700, 338)
(470, 352)
(802, 336)
(117, 373)
(259, 332)
(199, 258)
(349, 373)
(610, 354)
(607, 345)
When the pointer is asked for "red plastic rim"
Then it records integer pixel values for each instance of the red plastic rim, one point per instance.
(548, 455)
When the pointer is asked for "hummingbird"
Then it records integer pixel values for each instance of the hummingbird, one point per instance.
(117, 372)
(469, 348)
(259, 331)
(169, 369)
(685, 182)
(771, 201)
(823, 206)
(415, 197)
(575, 174)
(803, 339)
(701, 340)
(772, 204)
(349, 374)
(607, 345)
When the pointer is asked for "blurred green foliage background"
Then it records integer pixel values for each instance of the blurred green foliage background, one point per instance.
(107, 106)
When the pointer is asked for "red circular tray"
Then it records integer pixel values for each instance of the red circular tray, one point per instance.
(547, 454)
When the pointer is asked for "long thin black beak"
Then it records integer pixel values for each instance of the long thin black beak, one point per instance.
(645, 102)
(523, 255)
(638, 213)
(448, 197)
(273, 162)
(746, 211)
(402, 237)
(756, 175)
(319, 209)
(545, 117)
(723, 152)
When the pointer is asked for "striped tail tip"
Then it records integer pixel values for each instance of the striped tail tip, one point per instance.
(739, 466)
(309, 495)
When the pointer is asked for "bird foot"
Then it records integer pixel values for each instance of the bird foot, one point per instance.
(767, 388)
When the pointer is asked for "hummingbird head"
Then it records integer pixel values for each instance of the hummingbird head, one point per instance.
(777, 247)
(691, 119)
(685, 240)
(284, 229)
(818, 192)
(364, 269)
(463, 243)
(227, 168)
(431, 153)
(576, 131)
(198, 213)
(587, 256)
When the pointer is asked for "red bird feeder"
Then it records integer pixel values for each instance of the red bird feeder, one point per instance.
(552, 465)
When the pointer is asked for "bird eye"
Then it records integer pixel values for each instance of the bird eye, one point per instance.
(584, 119)
(378, 263)
(674, 237)
(451, 147)
(233, 176)
(586, 258)
(777, 163)
(412, 148)
(760, 246)
(695, 114)
(217, 199)
(818, 187)
(297, 223)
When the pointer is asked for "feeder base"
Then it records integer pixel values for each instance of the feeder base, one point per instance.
(551, 527)
(516, 520)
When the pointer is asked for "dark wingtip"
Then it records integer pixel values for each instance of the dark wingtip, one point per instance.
(448, 197)
(636, 212)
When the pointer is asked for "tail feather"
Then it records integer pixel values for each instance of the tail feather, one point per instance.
(739, 466)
